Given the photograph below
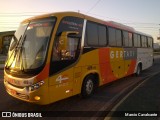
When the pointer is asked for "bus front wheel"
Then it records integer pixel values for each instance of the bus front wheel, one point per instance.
(88, 86)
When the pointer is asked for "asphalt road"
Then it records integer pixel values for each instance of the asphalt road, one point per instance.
(95, 107)
(142, 103)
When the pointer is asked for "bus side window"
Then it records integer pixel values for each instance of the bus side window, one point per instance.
(102, 35)
(119, 38)
(112, 36)
(150, 44)
(56, 51)
(125, 39)
(92, 34)
(69, 52)
(139, 43)
(67, 42)
(130, 40)
(144, 41)
(72, 48)
(135, 39)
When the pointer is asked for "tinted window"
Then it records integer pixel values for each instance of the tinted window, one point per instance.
(135, 39)
(125, 39)
(69, 55)
(112, 37)
(70, 24)
(119, 37)
(102, 35)
(95, 35)
(130, 41)
(144, 41)
(138, 41)
(150, 42)
(92, 34)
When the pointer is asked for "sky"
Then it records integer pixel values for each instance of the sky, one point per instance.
(142, 15)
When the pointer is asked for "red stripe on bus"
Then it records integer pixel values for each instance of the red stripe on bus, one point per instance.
(44, 73)
(132, 67)
(105, 66)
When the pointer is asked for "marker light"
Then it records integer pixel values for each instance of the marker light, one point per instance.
(36, 86)
(37, 98)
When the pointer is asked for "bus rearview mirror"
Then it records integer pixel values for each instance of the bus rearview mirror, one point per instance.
(63, 42)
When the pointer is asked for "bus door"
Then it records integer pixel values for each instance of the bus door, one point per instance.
(66, 50)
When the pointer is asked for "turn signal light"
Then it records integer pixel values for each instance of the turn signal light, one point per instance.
(37, 98)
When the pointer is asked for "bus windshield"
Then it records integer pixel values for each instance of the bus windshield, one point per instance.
(28, 47)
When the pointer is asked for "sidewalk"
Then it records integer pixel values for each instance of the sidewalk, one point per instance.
(2, 61)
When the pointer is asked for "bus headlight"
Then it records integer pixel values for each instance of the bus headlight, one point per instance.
(36, 86)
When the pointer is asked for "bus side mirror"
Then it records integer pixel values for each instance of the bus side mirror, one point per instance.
(63, 43)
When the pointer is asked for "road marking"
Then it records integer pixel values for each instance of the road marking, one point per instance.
(105, 106)
(121, 101)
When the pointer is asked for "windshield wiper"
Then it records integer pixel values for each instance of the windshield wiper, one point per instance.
(20, 53)
(14, 51)
(13, 45)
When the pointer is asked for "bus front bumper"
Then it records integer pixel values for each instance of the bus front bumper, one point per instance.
(38, 96)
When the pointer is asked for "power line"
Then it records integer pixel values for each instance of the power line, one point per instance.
(124, 21)
(93, 6)
(18, 15)
(9, 22)
(25, 13)
(142, 23)
(8, 27)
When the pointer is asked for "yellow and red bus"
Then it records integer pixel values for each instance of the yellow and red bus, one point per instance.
(58, 55)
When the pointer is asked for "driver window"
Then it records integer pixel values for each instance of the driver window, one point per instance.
(66, 46)
(66, 54)
(56, 51)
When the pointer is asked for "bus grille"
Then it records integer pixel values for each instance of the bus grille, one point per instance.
(18, 95)
(22, 96)
(16, 85)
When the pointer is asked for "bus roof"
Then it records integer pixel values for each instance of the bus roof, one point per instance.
(77, 14)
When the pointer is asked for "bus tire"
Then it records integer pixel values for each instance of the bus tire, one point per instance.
(139, 69)
(88, 86)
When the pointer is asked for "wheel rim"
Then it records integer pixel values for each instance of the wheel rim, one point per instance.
(138, 70)
(89, 86)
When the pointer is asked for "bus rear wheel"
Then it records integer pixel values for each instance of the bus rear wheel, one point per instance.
(88, 86)
(139, 69)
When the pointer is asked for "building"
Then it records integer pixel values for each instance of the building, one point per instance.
(5, 39)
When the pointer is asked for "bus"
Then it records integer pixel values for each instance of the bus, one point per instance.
(5, 38)
(54, 56)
